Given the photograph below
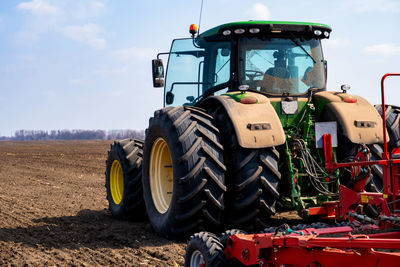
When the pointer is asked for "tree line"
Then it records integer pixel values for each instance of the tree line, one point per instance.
(31, 135)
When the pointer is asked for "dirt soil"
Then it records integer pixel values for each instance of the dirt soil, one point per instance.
(53, 211)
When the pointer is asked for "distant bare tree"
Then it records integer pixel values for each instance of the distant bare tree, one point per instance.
(25, 135)
(122, 134)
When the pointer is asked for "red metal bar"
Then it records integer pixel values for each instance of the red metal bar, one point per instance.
(384, 111)
(327, 138)
(385, 169)
(299, 257)
(365, 163)
(312, 250)
(328, 210)
(346, 242)
(395, 184)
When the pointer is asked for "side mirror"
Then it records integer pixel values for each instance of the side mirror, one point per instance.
(158, 72)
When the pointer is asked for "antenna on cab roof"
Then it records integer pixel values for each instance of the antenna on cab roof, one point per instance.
(201, 11)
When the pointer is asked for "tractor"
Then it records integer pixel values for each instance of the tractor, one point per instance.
(243, 133)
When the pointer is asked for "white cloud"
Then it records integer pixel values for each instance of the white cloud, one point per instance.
(259, 11)
(383, 49)
(87, 34)
(54, 16)
(30, 33)
(86, 9)
(40, 8)
(135, 53)
(76, 8)
(365, 6)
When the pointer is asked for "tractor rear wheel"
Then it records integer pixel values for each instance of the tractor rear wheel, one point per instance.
(124, 179)
(253, 179)
(346, 150)
(183, 172)
(392, 124)
(376, 182)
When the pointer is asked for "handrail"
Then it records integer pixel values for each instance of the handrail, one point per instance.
(385, 155)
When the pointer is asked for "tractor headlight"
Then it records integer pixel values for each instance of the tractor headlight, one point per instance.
(254, 30)
(239, 31)
(317, 32)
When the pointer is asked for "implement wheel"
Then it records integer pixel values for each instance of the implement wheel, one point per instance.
(253, 179)
(124, 179)
(203, 250)
(183, 172)
(225, 235)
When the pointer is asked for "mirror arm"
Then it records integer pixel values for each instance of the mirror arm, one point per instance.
(184, 83)
(163, 53)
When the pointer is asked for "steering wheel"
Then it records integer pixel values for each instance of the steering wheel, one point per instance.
(251, 74)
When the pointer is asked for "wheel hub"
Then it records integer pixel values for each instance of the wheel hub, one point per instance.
(161, 175)
(116, 182)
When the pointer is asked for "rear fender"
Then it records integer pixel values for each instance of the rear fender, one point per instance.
(357, 119)
(253, 117)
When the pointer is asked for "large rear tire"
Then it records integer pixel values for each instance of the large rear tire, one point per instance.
(253, 179)
(183, 172)
(346, 149)
(124, 179)
(392, 124)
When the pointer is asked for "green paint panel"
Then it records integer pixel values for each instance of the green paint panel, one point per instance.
(236, 96)
(215, 30)
(319, 106)
(289, 120)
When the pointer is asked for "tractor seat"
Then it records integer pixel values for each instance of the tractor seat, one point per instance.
(278, 72)
(275, 80)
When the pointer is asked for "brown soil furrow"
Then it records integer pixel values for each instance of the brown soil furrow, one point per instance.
(53, 211)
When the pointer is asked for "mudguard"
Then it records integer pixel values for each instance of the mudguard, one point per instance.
(358, 120)
(254, 119)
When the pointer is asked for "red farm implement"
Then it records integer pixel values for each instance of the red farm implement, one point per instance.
(372, 240)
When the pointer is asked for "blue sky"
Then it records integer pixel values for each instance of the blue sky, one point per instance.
(85, 64)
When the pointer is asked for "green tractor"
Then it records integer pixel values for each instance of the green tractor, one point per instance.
(241, 134)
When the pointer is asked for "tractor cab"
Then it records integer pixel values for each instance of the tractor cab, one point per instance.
(273, 58)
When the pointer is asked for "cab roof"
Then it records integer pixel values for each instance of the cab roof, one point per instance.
(269, 26)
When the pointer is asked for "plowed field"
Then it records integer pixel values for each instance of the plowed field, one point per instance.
(53, 211)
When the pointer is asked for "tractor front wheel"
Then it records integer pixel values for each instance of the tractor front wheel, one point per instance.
(124, 179)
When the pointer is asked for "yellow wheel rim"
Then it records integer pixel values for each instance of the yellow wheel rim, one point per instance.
(161, 175)
(116, 182)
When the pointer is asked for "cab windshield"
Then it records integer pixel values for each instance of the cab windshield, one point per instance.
(193, 68)
(281, 65)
